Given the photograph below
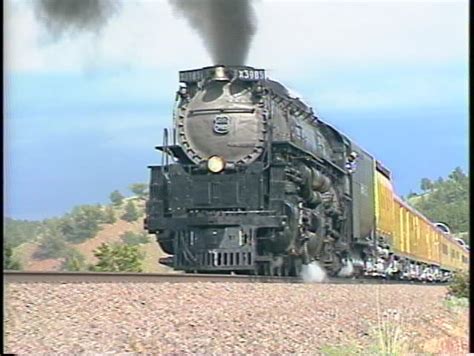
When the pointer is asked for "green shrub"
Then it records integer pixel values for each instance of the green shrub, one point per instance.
(131, 213)
(74, 261)
(9, 262)
(133, 239)
(52, 245)
(459, 285)
(118, 258)
(109, 215)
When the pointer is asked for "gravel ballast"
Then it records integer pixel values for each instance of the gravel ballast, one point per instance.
(222, 318)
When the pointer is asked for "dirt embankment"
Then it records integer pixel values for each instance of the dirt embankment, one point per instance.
(236, 318)
(109, 233)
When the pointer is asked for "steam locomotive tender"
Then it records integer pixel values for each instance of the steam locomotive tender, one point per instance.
(252, 181)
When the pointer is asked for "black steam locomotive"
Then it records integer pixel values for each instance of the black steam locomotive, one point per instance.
(252, 181)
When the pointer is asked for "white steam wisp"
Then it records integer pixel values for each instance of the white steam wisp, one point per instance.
(347, 270)
(313, 273)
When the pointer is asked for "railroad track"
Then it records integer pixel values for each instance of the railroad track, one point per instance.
(130, 277)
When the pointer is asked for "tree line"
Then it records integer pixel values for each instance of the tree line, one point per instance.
(445, 200)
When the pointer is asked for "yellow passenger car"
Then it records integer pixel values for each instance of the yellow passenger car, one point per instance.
(410, 234)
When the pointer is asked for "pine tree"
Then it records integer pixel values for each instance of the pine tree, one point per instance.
(426, 184)
(81, 224)
(139, 189)
(131, 213)
(458, 175)
(448, 202)
(52, 245)
(116, 198)
(109, 215)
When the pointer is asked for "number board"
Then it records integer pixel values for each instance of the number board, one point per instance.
(245, 74)
(250, 74)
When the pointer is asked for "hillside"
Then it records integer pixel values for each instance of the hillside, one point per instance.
(28, 240)
(445, 200)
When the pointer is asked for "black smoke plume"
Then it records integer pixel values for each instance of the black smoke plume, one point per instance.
(226, 26)
(70, 16)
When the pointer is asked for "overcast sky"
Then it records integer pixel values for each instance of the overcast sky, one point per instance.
(83, 112)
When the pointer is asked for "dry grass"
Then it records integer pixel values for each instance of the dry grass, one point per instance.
(388, 338)
(389, 335)
(352, 349)
(457, 305)
(392, 336)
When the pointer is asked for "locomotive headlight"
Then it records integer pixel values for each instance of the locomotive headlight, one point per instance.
(215, 164)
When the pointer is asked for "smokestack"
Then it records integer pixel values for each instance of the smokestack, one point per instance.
(61, 16)
(226, 26)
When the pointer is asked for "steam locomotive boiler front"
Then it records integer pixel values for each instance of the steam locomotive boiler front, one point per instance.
(221, 115)
(208, 206)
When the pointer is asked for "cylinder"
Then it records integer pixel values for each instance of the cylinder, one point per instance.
(320, 182)
(314, 199)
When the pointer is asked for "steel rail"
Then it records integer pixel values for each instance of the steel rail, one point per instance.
(132, 277)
